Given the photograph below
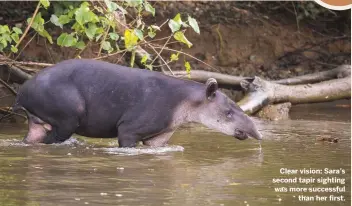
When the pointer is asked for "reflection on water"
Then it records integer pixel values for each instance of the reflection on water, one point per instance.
(200, 167)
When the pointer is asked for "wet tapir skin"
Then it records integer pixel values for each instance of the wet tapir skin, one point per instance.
(98, 99)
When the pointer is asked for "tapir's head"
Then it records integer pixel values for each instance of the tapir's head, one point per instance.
(219, 112)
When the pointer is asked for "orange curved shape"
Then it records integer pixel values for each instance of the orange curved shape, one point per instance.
(337, 2)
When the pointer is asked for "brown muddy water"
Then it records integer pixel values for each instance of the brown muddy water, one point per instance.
(199, 167)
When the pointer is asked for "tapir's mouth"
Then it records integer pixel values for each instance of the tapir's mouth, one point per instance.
(241, 135)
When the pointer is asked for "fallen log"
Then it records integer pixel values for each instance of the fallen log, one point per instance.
(202, 76)
(235, 81)
(338, 72)
(260, 93)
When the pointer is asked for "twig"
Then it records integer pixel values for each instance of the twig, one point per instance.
(9, 113)
(297, 20)
(121, 57)
(101, 45)
(29, 25)
(30, 63)
(166, 48)
(109, 55)
(47, 49)
(162, 59)
(8, 87)
(80, 52)
(161, 49)
(25, 46)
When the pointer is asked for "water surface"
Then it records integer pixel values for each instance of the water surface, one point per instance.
(199, 167)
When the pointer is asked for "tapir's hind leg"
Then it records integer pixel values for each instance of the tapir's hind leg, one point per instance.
(61, 108)
(37, 130)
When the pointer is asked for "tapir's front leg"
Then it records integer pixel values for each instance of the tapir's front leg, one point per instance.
(159, 140)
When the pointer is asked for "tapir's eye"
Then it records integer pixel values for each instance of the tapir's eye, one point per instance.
(229, 114)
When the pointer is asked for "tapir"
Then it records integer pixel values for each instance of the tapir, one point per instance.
(98, 99)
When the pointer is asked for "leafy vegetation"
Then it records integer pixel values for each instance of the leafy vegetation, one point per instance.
(91, 22)
(8, 37)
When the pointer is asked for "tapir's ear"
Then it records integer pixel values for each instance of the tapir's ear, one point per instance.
(212, 86)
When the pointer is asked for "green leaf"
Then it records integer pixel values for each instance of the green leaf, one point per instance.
(174, 57)
(149, 8)
(107, 46)
(3, 42)
(138, 33)
(131, 39)
(80, 45)
(66, 40)
(112, 6)
(179, 36)
(84, 15)
(14, 49)
(45, 3)
(4, 29)
(149, 66)
(7, 37)
(98, 37)
(151, 34)
(155, 27)
(45, 34)
(71, 13)
(193, 23)
(38, 22)
(114, 36)
(64, 19)
(188, 69)
(177, 18)
(78, 28)
(144, 59)
(174, 26)
(133, 56)
(15, 37)
(134, 3)
(17, 30)
(55, 20)
(91, 30)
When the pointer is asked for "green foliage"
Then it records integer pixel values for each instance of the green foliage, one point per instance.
(84, 15)
(175, 23)
(38, 26)
(193, 23)
(144, 59)
(66, 40)
(188, 69)
(88, 22)
(45, 3)
(180, 36)
(149, 8)
(308, 10)
(9, 37)
(174, 57)
(131, 39)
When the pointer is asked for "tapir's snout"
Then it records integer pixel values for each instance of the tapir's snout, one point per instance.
(241, 135)
(256, 135)
(248, 130)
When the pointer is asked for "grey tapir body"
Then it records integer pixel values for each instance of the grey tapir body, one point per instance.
(99, 99)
